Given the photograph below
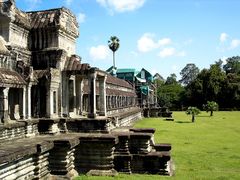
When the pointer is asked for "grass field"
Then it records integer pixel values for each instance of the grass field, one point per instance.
(206, 149)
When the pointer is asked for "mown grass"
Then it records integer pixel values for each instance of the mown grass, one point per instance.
(206, 149)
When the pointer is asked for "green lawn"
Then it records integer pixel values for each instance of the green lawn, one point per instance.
(206, 149)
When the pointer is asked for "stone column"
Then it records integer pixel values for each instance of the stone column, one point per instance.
(5, 104)
(51, 101)
(48, 102)
(79, 95)
(29, 114)
(24, 103)
(65, 95)
(92, 94)
(110, 102)
(102, 93)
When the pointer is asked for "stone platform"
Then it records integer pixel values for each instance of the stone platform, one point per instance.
(69, 154)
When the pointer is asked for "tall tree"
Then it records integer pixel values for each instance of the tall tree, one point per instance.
(232, 65)
(169, 95)
(114, 44)
(172, 79)
(189, 73)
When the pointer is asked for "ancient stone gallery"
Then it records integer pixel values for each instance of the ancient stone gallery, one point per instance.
(60, 116)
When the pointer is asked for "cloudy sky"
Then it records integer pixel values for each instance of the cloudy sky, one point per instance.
(160, 35)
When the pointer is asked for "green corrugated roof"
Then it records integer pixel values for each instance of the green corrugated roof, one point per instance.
(126, 70)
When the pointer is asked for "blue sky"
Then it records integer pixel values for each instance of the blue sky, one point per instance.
(160, 35)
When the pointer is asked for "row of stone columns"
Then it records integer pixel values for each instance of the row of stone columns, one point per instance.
(114, 102)
(77, 95)
(26, 94)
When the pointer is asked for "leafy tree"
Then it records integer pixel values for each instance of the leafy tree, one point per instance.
(172, 79)
(189, 73)
(114, 44)
(232, 65)
(230, 93)
(169, 95)
(193, 111)
(210, 106)
(158, 82)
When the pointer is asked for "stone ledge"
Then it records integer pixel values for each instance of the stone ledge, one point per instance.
(141, 135)
(68, 141)
(12, 125)
(98, 137)
(143, 130)
(111, 172)
(30, 121)
(163, 147)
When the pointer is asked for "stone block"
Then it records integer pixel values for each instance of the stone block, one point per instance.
(163, 147)
(122, 163)
(62, 156)
(95, 152)
(140, 143)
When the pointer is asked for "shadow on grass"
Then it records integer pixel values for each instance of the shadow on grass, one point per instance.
(183, 122)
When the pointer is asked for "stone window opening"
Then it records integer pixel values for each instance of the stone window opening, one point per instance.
(71, 95)
(54, 102)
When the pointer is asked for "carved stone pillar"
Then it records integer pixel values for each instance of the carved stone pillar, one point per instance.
(29, 112)
(48, 102)
(24, 103)
(79, 95)
(65, 95)
(5, 104)
(102, 93)
(92, 94)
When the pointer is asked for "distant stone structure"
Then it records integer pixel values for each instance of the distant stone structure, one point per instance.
(59, 116)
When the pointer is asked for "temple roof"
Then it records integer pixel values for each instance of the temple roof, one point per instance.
(9, 78)
(118, 82)
(61, 18)
(73, 64)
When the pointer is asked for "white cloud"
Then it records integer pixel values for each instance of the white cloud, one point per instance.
(181, 54)
(121, 5)
(81, 18)
(68, 2)
(164, 42)
(224, 59)
(223, 37)
(235, 43)
(100, 52)
(147, 42)
(166, 52)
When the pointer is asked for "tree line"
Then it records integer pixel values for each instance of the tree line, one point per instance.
(219, 83)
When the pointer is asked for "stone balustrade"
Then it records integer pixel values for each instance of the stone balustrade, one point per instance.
(18, 130)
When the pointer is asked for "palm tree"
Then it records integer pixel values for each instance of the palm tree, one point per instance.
(113, 44)
(211, 106)
(193, 111)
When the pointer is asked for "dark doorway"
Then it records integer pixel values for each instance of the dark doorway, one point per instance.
(39, 97)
